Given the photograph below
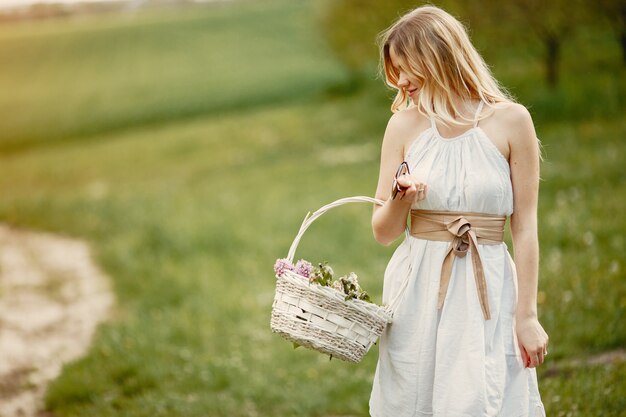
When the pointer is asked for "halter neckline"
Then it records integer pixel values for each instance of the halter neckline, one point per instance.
(476, 115)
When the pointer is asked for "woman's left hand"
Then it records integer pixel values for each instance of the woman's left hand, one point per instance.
(532, 340)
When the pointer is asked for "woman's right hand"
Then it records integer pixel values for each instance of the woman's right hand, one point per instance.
(389, 221)
(412, 189)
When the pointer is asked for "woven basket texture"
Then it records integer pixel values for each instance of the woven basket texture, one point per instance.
(321, 319)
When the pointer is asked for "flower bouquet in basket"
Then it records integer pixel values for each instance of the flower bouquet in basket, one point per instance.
(313, 309)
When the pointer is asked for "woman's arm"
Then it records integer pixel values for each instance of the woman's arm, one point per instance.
(389, 220)
(524, 162)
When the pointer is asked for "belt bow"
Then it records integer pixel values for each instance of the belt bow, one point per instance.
(464, 231)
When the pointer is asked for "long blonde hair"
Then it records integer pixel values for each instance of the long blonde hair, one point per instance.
(439, 54)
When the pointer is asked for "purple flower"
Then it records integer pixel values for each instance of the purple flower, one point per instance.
(281, 266)
(303, 268)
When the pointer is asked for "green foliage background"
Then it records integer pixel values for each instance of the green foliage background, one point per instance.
(186, 146)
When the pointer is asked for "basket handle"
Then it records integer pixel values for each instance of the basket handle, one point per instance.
(310, 218)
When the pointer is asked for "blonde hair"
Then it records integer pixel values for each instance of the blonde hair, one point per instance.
(437, 51)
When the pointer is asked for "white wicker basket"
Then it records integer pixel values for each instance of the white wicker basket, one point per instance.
(319, 317)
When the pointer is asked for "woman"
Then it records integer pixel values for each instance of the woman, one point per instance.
(465, 338)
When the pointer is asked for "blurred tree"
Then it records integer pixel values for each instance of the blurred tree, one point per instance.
(551, 22)
(615, 12)
(352, 28)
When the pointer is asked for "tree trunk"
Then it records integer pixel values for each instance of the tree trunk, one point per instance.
(622, 30)
(553, 51)
(622, 39)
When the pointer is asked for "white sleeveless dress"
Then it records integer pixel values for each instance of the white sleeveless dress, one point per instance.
(451, 362)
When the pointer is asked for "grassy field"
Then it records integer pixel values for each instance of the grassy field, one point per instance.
(187, 146)
(78, 78)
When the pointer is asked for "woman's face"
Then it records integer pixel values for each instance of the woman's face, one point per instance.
(406, 79)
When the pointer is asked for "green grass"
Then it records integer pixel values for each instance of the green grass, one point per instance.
(75, 78)
(187, 210)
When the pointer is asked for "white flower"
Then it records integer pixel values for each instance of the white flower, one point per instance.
(353, 279)
(328, 270)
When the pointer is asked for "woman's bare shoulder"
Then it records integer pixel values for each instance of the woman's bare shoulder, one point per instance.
(407, 117)
(511, 114)
(508, 125)
(406, 124)
(509, 119)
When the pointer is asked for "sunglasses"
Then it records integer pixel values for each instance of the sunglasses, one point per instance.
(396, 188)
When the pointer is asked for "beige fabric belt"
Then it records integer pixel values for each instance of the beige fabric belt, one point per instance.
(465, 231)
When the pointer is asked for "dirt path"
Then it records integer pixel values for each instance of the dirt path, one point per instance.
(52, 296)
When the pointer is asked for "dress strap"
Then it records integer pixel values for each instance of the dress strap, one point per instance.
(478, 110)
(433, 124)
